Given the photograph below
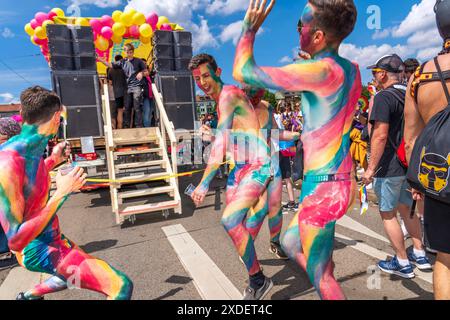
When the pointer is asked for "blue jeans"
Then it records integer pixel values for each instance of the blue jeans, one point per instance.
(3, 242)
(147, 109)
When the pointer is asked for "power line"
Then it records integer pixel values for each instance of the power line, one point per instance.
(13, 71)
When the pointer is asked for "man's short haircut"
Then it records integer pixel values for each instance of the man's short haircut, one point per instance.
(336, 18)
(129, 46)
(39, 105)
(118, 58)
(202, 58)
(411, 65)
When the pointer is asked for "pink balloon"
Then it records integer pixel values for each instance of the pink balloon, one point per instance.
(166, 27)
(34, 24)
(96, 25)
(107, 21)
(107, 32)
(127, 33)
(152, 19)
(38, 41)
(41, 17)
(51, 15)
(134, 32)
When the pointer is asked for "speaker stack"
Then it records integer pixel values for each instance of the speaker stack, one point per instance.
(75, 78)
(172, 52)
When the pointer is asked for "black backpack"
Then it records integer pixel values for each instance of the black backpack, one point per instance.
(430, 161)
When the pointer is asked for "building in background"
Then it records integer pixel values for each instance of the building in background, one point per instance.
(8, 110)
(205, 105)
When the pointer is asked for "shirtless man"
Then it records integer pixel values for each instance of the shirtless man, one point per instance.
(420, 107)
(331, 87)
(250, 167)
(28, 214)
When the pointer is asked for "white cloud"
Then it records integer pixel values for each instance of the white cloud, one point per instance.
(365, 56)
(6, 98)
(231, 32)
(98, 3)
(381, 34)
(7, 33)
(226, 7)
(425, 39)
(202, 37)
(421, 17)
(428, 53)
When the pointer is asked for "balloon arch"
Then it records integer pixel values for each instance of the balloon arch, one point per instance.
(109, 31)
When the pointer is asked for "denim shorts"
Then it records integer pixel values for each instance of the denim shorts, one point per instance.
(392, 191)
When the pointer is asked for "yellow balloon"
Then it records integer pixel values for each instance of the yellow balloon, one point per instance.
(32, 40)
(59, 12)
(116, 15)
(126, 19)
(138, 18)
(40, 33)
(146, 30)
(162, 20)
(101, 44)
(82, 22)
(131, 11)
(117, 39)
(145, 40)
(119, 29)
(46, 23)
(29, 30)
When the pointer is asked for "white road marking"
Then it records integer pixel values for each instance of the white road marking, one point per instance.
(349, 223)
(209, 280)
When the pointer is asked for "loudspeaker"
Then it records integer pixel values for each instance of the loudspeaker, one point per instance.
(80, 93)
(183, 38)
(162, 37)
(181, 114)
(71, 48)
(176, 87)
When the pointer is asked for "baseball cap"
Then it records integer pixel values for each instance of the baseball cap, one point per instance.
(391, 63)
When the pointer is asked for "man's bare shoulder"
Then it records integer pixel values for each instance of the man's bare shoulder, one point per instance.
(232, 92)
(11, 162)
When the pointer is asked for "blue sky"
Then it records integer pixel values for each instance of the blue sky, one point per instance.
(406, 27)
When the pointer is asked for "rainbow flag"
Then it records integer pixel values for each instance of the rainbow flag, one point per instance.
(364, 200)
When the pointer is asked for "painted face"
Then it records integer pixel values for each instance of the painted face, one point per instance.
(208, 80)
(305, 28)
(434, 171)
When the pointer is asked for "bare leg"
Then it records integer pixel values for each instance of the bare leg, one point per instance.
(412, 225)
(441, 277)
(394, 233)
(51, 285)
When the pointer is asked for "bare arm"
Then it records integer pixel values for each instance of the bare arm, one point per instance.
(377, 145)
(413, 122)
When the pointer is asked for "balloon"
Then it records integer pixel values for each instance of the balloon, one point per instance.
(166, 27)
(41, 17)
(96, 25)
(162, 20)
(126, 19)
(34, 24)
(134, 31)
(37, 40)
(138, 18)
(46, 23)
(131, 11)
(116, 15)
(29, 30)
(32, 40)
(101, 43)
(119, 29)
(52, 15)
(82, 22)
(152, 19)
(107, 21)
(145, 40)
(127, 33)
(107, 32)
(145, 30)
(117, 39)
(40, 33)
(59, 12)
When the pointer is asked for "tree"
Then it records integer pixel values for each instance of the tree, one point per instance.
(270, 97)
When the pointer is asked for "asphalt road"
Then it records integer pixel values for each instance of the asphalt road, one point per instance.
(144, 253)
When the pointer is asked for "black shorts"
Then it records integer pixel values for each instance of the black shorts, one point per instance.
(437, 224)
(120, 103)
(285, 167)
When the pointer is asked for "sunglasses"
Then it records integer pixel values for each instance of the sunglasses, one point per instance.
(375, 71)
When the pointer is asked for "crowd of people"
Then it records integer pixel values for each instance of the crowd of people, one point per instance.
(401, 143)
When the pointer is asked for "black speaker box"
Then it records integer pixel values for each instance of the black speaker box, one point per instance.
(164, 64)
(182, 64)
(162, 37)
(176, 87)
(183, 38)
(183, 52)
(181, 114)
(163, 51)
(80, 93)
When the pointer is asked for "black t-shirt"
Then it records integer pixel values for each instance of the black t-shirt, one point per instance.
(119, 82)
(131, 68)
(388, 109)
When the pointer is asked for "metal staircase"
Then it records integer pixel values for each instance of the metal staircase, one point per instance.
(143, 176)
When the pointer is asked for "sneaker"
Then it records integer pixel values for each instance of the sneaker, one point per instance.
(252, 294)
(290, 206)
(21, 296)
(421, 262)
(276, 249)
(393, 267)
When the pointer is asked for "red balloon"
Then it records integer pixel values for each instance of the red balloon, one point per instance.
(134, 32)
(38, 41)
(107, 32)
(34, 24)
(41, 17)
(152, 20)
(51, 15)
(107, 21)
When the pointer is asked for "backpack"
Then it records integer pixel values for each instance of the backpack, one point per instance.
(429, 166)
(400, 150)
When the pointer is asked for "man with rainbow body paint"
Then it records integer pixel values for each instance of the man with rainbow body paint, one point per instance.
(238, 136)
(330, 86)
(28, 213)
